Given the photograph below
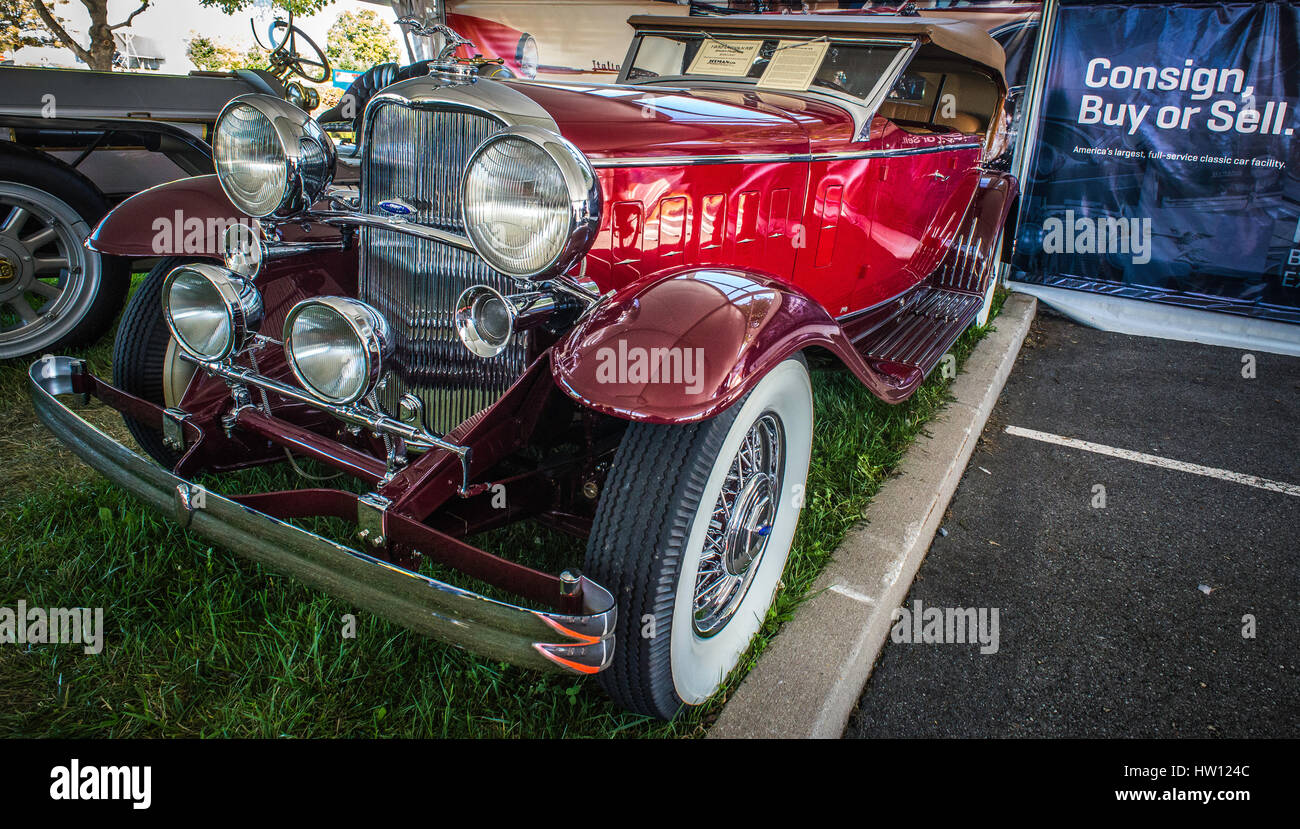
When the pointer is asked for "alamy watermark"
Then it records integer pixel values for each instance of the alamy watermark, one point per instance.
(77, 782)
(947, 626)
(652, 366)
(1107, 235)
(53, 626)
(195, 235)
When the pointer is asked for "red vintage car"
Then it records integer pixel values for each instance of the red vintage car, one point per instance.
(593, 306)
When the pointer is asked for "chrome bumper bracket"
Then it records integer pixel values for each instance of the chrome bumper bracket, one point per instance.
(372, 521)
(173, 424)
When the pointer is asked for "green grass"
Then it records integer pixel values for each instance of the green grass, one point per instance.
(199, 642)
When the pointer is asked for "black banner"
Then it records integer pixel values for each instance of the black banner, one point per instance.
(258, 781)
(1165, 167)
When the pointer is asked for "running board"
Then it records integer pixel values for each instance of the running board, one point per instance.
(910, 345)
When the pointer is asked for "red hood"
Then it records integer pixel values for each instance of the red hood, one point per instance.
(632, 121)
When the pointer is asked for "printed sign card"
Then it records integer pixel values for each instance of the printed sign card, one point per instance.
(731, 58)
(794, 65)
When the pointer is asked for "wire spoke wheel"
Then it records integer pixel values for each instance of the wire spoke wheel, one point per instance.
(740, 525)
(692, 534)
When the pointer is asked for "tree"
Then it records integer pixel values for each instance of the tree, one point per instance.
(20, 26)
(358, 41)
(34, 23)
(303, 7)
(99, 52)
(210, 56)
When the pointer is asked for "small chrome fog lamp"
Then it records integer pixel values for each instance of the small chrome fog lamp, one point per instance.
(242, 249)
(211, 312)
(305, 98)
(336, 347)
(486, 319)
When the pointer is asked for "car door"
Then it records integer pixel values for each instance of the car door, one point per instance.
(932, 132)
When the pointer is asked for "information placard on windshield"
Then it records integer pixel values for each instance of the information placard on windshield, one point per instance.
(793, 65)
(730, 58)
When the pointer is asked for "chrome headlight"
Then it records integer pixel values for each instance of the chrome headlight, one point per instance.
(336, 347)
(211, 312)
(270, 156)
(531, 202)
(528, 56)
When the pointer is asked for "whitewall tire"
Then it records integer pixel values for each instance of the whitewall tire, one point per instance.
(146, 360)
(692, 536)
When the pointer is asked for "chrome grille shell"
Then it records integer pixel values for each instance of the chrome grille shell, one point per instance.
(416, 153)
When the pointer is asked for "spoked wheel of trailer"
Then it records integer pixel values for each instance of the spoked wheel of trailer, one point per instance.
(691, 536)
(54, 293)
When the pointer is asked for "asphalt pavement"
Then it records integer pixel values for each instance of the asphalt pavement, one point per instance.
(1133, 600)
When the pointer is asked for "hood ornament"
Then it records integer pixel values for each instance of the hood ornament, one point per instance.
(446, 65)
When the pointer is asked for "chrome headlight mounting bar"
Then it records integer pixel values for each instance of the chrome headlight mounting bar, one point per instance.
(355, 218)
(415, 436)
(574, 286)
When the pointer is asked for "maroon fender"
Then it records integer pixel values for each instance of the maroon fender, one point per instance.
(684, 347)
(186, 217)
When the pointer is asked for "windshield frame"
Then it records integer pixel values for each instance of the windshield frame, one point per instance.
(862, 109)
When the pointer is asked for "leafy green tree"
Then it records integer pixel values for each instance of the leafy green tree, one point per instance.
(210, 56)
(34, 23)
(358, 41)
(21, 26)
(204, 53)
(303, 7)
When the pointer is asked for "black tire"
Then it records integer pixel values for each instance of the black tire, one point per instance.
(89, 318)
(640, 543)
(139, 356)
(636, 553)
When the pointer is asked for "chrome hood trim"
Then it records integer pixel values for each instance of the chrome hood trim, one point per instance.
(487, 97)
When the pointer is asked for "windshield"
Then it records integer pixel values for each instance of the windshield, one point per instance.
(779, 63)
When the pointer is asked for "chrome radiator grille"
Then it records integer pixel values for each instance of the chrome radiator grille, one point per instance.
(418, 156)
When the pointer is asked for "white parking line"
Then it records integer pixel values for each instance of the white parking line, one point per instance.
(845, 590)
(1156, 460)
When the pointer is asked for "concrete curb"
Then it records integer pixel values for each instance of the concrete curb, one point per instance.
(810, 677)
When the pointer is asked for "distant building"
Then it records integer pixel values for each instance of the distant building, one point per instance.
(136, 51)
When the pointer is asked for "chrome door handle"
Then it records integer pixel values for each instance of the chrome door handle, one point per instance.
(938, 176)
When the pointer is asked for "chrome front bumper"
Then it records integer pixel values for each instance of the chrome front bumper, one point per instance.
(580, 643)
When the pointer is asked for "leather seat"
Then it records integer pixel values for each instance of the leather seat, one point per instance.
(367, 85)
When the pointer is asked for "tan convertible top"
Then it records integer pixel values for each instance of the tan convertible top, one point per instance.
(965, 39)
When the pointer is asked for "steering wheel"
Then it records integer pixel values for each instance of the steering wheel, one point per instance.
(285, 58)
